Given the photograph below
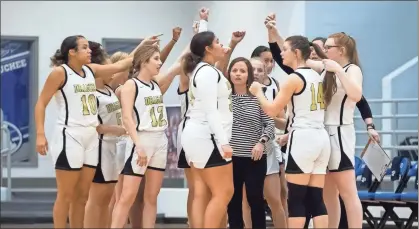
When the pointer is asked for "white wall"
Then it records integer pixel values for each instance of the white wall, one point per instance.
(53, 21)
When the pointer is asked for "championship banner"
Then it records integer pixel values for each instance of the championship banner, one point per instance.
(15, 100)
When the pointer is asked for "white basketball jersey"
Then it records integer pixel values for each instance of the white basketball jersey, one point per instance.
(197, 108)
(271, 90)
(149, 110)
(109, 109)
(341, 109)
(76, 99)
(307, 107)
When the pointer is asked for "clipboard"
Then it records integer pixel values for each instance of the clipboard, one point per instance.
(376, 159)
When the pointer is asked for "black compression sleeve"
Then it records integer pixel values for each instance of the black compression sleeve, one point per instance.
(364, 108)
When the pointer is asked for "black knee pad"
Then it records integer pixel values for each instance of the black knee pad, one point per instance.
(296, 200)
(315, 205)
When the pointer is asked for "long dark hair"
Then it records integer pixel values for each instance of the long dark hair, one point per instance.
(61, 55)
(99, 55)
(329, 81)
(259, 50)
(250, 76)
(198, 44)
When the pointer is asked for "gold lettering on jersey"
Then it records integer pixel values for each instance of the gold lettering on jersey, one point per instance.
(152, 100)
(230, 96)
(80, 88)
(113, 107)
(316, 98)
(191, 97)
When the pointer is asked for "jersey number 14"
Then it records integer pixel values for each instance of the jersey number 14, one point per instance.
(316, 97)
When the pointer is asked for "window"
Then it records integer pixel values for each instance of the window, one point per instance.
(113, 45)
(19, 92)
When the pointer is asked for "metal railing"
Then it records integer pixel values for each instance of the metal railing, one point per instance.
(391, 126)
(7, 149)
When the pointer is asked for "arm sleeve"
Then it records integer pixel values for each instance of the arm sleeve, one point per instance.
(276, 54)
(203, 26)
(207, 89)
(364, 108)
(268, 126)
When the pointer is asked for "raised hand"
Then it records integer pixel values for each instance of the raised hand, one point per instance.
(176, 33)
(204, 13)
(151, 40)
(237, 36)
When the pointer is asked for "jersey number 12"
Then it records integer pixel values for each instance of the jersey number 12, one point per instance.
(89, 104)
(160, 121)
(316, 97)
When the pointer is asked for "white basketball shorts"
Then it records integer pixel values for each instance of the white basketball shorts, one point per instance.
(308, 151)
(154, 145)
(74, 147)
(342, 142)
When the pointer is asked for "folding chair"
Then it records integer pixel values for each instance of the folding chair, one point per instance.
(359, 166)
(389, 200)
(411, 198)
(369, 198)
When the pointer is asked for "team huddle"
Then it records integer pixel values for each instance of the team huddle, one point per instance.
(244, 137)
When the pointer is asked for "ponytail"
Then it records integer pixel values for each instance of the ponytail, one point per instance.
(58, 59)
(329, 87)
(329, 81)
(190, 61)
(353, 55)
(318, 50)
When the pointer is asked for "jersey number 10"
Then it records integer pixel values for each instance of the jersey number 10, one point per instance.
(89, 104)
(316, 97)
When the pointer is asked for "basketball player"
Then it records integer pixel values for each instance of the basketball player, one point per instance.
(138, 205)
(272, 184)
(117, 81)
(182, 91)
(346, 82)
(146, 150)
(74, 146)
(109, 128)
(306, 163)
(205, 138)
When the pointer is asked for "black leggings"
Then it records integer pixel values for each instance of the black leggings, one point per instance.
(252, 174)
(343, 223)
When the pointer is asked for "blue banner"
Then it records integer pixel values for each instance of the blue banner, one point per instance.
(15, 89)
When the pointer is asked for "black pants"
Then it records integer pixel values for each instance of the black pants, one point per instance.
(343, 223)
(252, 174)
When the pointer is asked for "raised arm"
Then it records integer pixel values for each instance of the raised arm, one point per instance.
(273, 34)
(236, 38)
(168, 48)
(351, 80)
(206, 82)
(55, 81)
(293, 85)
